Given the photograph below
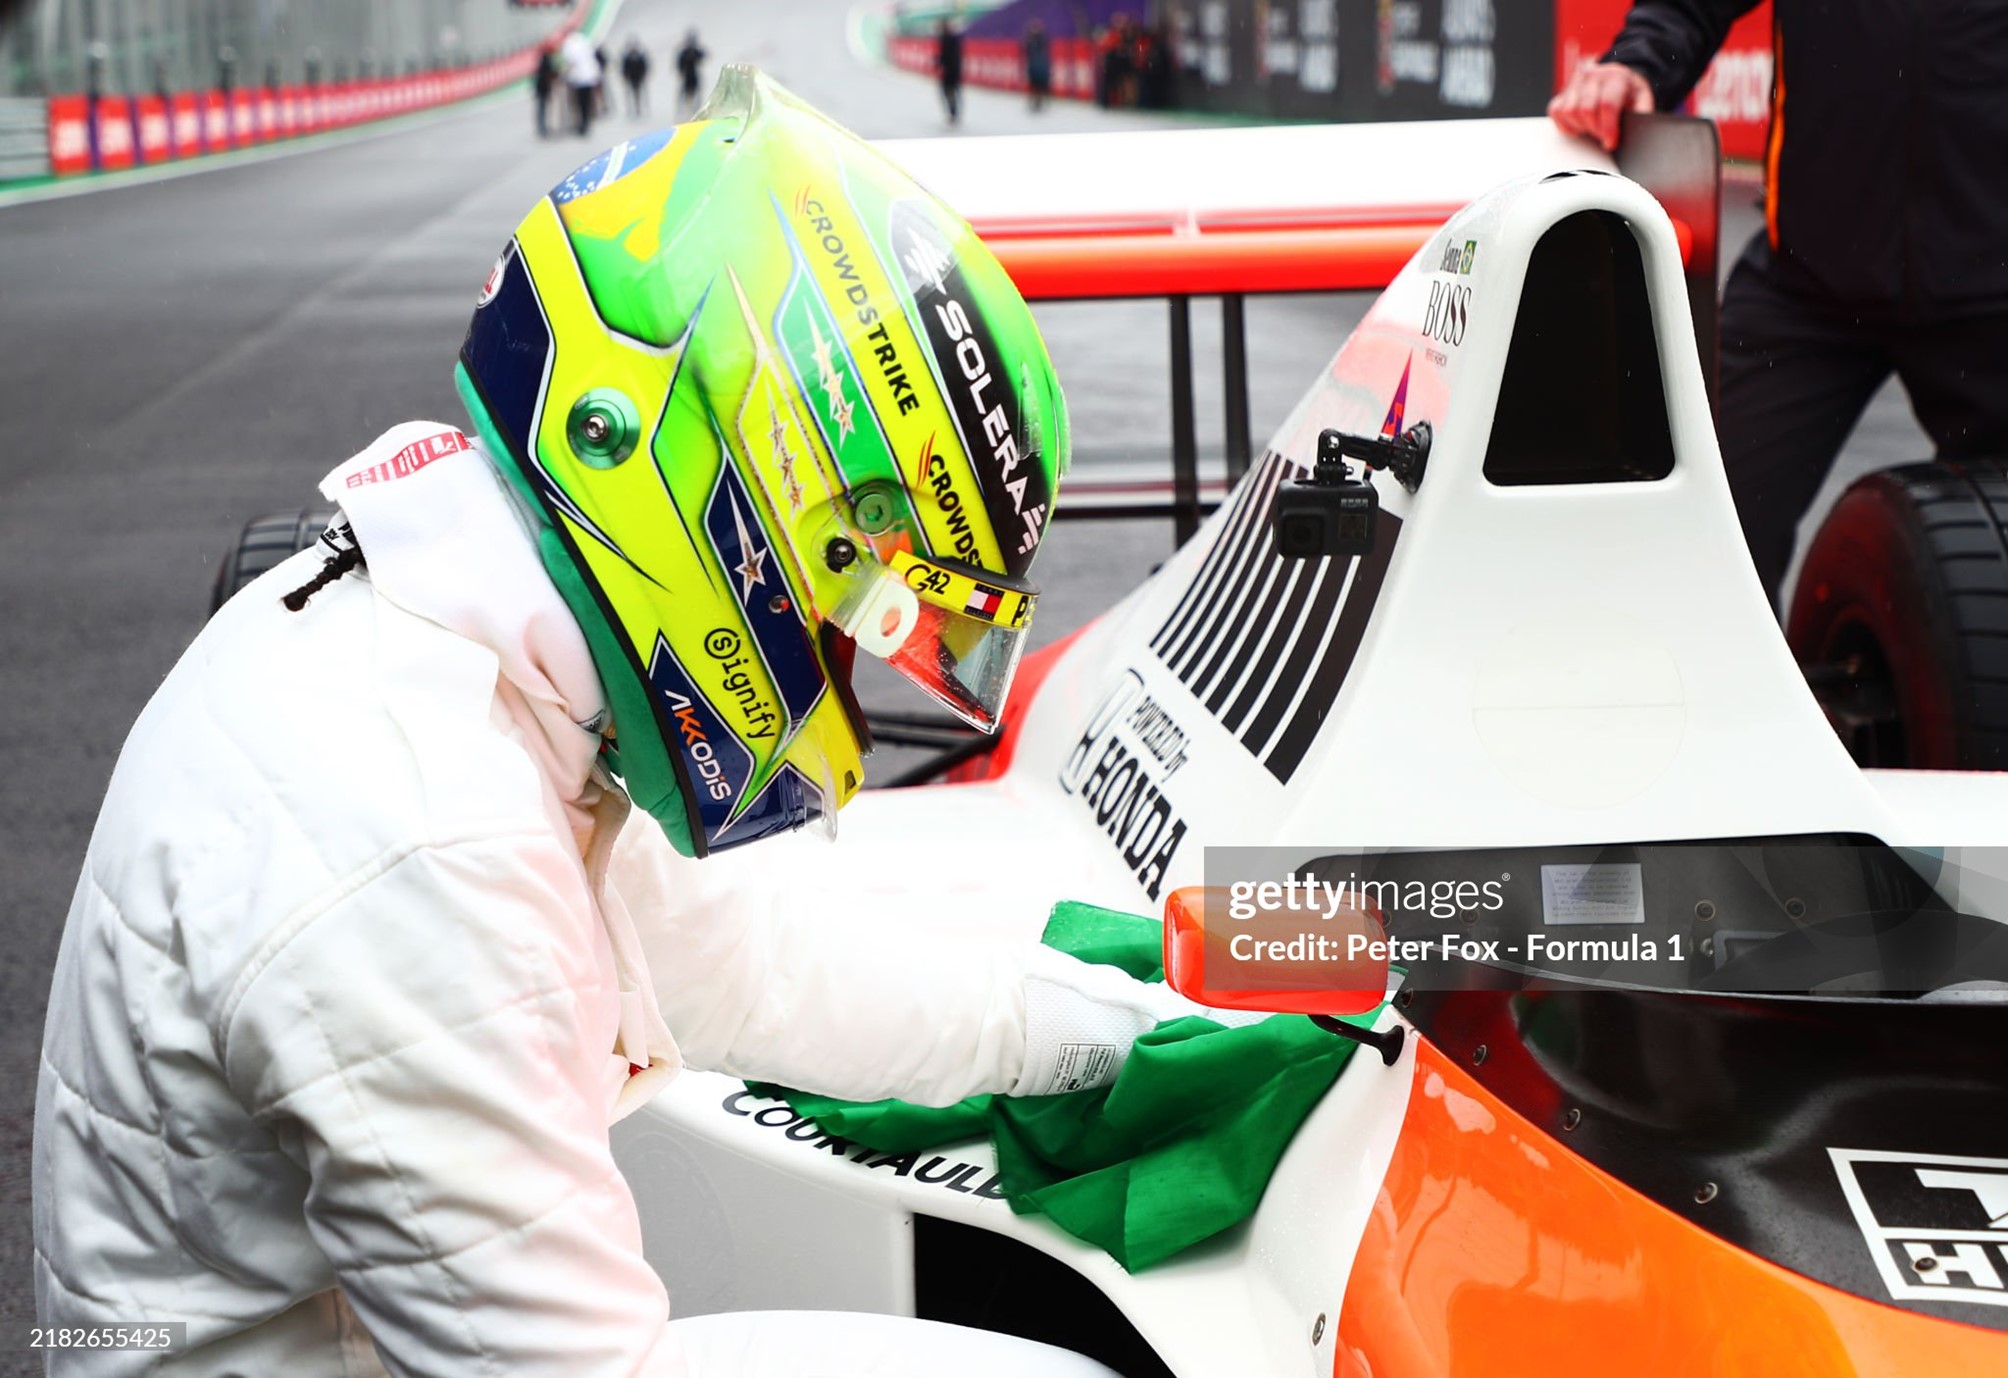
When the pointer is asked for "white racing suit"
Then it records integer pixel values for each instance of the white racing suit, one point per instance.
(357, 975)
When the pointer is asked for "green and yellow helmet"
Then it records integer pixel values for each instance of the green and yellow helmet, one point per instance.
(772, 401)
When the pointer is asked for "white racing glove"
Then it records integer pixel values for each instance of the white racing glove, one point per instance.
(1082, 1017)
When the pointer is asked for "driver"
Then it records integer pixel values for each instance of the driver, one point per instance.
(368, 950)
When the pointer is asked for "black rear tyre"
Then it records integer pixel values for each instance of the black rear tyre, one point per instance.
(264, 543)
(1900, 617)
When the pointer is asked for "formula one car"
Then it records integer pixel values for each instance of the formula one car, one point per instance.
(1552, 640)
(1530, 629)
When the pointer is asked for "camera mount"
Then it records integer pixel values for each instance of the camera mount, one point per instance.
(1334, 513)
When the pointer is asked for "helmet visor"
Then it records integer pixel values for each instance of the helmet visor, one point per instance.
(953, 631)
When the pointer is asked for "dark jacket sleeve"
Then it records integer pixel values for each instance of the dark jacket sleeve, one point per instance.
(1670, 42)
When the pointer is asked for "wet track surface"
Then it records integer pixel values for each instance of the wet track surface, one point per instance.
(178, 356)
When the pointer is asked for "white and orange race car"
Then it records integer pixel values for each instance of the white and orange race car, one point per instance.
(1537, 643)
(1553, 640)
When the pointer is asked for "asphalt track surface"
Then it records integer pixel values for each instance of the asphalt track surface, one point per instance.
(180, 355)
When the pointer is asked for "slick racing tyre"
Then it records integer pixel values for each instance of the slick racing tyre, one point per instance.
(264, 542)
(1900, 617)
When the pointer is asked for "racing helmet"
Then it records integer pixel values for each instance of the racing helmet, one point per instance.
(770, 401)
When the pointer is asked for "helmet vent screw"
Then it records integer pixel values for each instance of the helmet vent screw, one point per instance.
(603, 428)
(1478, 1056)
(778, 603)
(1571, 1120)
(1927, 1264)
(840, 554)
(1795, 908)
(874, 512)
(1705, 910)
(1705, 1193)
(1318, 1328)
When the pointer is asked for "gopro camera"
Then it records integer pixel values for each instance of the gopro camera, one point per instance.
(1333, 513)
(1329, 513)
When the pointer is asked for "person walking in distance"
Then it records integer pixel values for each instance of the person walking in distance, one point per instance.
(1882, 247)
(582, 79)
(1154, 68)
(1038, 64)
(948, 67)
(544, 83)
(634, 71)
(690, 75)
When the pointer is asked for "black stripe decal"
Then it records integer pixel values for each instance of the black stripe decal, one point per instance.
(1212, 617)
(1217, 560)
(1254, 616)
(1311, 605)
(1283, 690)
(1306, 615)
(1337, 660)
(1255, 636)
(1255, 662)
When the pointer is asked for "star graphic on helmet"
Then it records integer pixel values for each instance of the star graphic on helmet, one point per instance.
(778, 435)
(821, 354)
(831, 379)
(752, 566)
(789, 483)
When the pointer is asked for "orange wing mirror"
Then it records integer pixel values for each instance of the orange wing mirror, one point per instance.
(1230, 952)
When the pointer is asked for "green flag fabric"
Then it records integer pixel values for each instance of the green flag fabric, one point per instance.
(1178, 1149)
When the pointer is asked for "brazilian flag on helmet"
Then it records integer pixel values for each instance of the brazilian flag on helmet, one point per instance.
(773, 402)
